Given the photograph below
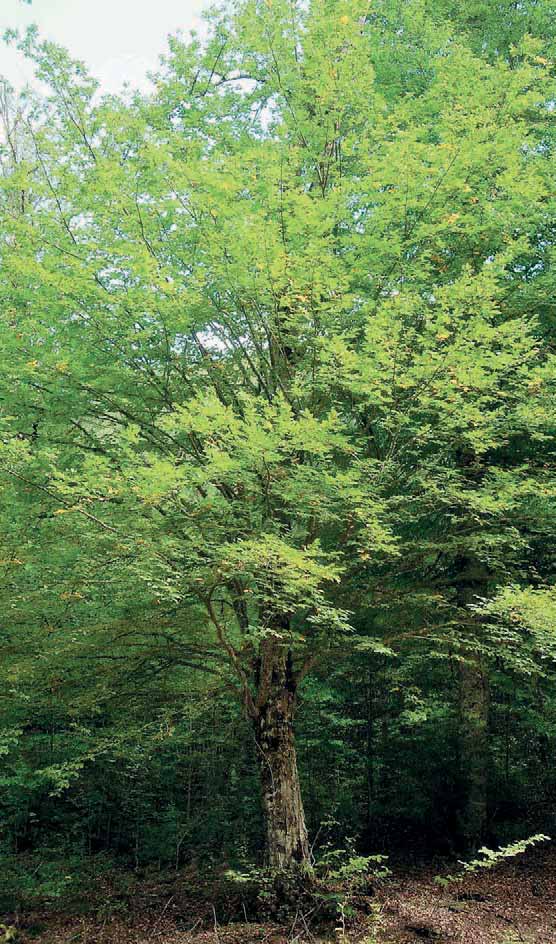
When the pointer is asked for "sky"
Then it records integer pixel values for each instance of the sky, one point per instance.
(119, 40)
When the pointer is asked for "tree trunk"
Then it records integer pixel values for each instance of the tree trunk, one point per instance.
(472, 583)
(286, 834)
(473, 734)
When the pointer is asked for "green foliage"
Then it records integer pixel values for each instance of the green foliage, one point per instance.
(491, 858)
(50, 882)
(344, 876)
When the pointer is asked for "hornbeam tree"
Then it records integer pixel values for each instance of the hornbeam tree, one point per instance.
(270, 355)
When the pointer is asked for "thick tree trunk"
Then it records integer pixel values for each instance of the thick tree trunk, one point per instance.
(474, 753)
(286, 834)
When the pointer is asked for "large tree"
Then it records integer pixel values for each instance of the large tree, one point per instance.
(273, 356)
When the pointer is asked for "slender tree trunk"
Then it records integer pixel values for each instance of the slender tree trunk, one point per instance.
(286, 834)
(370, 751)
(473, 714)
(474, 705)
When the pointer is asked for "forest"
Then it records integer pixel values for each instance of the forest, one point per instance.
(277, 482)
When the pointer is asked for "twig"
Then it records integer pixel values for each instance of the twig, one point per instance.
(215, 923)
(161, 915)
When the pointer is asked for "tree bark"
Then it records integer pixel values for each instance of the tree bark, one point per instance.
(287, 844)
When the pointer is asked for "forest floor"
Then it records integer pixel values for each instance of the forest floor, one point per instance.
(514, 903)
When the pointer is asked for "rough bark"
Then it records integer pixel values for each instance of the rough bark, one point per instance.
(270, 704)
(286, 834)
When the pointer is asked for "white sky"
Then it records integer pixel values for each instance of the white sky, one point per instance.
(119, 40)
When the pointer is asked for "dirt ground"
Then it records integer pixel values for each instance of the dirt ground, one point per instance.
(512, 903)
(515, 903)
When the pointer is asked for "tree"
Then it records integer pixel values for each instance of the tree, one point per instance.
(269, 369)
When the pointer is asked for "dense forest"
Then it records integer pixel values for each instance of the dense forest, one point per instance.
(277, 450)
